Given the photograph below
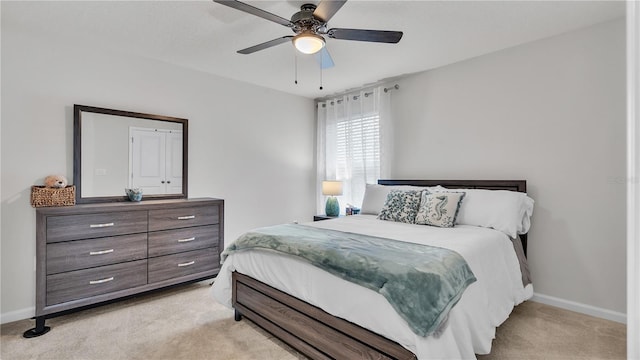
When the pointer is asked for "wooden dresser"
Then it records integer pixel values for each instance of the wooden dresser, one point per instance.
(88, 254)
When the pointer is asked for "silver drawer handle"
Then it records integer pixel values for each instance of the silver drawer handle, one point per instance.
(101, 225)
(186, 240)
(93, 282)
(100, 252)
(186, 217)
(187, 263)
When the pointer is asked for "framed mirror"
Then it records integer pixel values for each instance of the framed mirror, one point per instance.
(114, 150)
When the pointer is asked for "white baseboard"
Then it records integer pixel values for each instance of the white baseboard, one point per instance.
(580, 308)
(540, 298)
(17, 315)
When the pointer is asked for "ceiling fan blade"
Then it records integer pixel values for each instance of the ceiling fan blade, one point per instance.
(265, 45)
(255, 11)
(382, 36)
(327, 8)
(324, 58)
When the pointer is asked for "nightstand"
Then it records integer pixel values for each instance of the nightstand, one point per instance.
(324, 217)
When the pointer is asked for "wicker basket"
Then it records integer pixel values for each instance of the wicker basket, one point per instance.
(43, 196)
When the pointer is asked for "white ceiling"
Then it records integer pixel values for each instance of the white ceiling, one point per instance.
(204, 35)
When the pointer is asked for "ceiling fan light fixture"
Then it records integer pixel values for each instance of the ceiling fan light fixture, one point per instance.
(308, 43)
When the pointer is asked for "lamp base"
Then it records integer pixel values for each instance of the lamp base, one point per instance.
(332, 207)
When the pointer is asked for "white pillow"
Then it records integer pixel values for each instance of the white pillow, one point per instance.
(375, 196)
(507, 211)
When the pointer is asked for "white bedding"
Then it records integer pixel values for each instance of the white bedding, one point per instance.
(470, 330)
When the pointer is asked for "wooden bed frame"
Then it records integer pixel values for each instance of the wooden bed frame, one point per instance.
(312, 331)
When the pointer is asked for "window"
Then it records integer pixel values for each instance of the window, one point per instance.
(353, 143)
(358, 154)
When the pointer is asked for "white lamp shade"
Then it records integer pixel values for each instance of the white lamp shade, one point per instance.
(308, 43)
(332, 188)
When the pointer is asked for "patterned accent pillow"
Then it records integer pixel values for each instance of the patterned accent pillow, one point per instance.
(439, 209)
(401, 206)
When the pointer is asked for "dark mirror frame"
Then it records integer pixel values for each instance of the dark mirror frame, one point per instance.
(77, 153)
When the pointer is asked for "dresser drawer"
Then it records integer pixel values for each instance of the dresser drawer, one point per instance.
(75, 227)
(182, 264)
(181, 240)
(95, 281)
(82, 254)
(183, 217)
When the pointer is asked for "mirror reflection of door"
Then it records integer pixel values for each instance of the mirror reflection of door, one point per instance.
(155, 160)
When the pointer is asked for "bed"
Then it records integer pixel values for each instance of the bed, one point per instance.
(324, 316)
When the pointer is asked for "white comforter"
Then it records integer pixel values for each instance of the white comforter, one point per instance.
(472, 322)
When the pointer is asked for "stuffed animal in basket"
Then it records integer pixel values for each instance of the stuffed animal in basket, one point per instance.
(55, 181)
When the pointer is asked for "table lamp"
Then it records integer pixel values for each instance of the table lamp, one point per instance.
(332, 189)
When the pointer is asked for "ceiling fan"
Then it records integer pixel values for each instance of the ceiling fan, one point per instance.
(310, 26)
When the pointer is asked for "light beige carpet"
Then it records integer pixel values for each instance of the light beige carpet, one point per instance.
(186, 323)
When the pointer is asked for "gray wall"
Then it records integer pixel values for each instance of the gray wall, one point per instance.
(551, 112)
(252, 146)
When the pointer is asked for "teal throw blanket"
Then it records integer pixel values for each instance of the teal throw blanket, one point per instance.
(422, 283)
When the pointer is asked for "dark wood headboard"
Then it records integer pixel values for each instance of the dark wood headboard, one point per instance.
(512, 185)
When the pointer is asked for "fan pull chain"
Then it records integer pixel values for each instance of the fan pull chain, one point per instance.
(295, 60)
(321, 58)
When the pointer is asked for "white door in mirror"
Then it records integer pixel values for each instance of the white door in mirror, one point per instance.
(155, 160)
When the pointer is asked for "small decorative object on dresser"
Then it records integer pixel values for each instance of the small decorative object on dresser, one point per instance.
(134, 194)
(55, 181)
(93, 253)
(55, 192)
(43, 196)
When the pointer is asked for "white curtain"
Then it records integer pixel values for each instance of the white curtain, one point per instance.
(354, 143)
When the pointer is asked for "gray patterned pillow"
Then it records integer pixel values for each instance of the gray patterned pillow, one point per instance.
(401, 206)
(439, 209)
